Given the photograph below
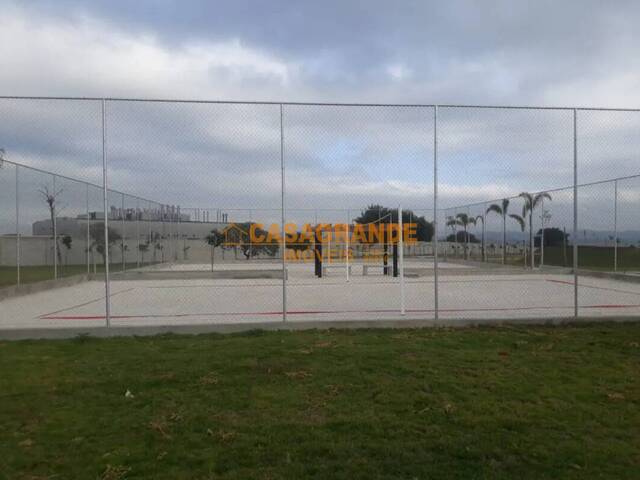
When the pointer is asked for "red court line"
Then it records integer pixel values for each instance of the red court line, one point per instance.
(326, 312)
(593, 287)
(100, 299)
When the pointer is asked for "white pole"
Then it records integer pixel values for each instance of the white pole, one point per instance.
(284, 243)
(137, 233)
(435, 212)
(55, 232)
(106, 219)
(347, 233)
(329, 245)
(18, 260)
(250, 240)
(575, 212)
(401, 255)
(615, 226)
(88, 235)
(542, 234)
(531, 241)
(124, 265)
(484, 232)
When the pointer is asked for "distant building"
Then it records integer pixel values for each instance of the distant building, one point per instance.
(130, 222)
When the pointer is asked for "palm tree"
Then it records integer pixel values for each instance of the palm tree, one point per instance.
(451, 222)
(475, 222)
(502, 209)
(464, 221)
(531, 201)
(522, 224)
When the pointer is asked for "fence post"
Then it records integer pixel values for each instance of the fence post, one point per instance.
(137, 232)
(282, 205)
(615, 226)
(435, 212)
(484, 232)
(55, 231)
(124, 229)
(401, 255)
(250, 239)
(18, 259)
(347, 234)
(106, 216)
(575, 212)
(87, 232)
(541, 235)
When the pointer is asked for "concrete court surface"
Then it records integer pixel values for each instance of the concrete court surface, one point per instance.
(150, 302)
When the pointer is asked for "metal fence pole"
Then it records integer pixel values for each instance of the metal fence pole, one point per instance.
(55, 231)
(18, 260)
(283, 240)
(401, 258)
(347, 233)
(171, 236)
(575, 212)
(88, 233)
(541, 234)
(107, 285)
(137, 233)
(484, 232)
(164, 233)
(124, 229)
(615, 226)
(435, 212)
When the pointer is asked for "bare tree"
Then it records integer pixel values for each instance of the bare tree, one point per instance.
(51, 199)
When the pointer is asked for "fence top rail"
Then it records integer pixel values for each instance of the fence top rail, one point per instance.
(551, 190)
(71, 179)
(319, 209)
(326, 104)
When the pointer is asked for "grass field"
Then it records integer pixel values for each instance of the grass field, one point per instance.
(8, 275)
(589, 258)
(595, 258)
(521, 402)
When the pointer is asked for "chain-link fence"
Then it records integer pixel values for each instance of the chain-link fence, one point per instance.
(229, 212)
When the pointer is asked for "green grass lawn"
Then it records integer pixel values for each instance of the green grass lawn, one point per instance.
(521, 402)
(589, 258)
(595, 258)
(8, 275)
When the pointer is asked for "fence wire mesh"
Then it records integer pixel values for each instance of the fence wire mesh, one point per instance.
(219, 212)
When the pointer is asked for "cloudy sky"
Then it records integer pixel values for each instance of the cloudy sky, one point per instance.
(549, 53)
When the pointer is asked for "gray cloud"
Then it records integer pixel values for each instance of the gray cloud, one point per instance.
(228, 156)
